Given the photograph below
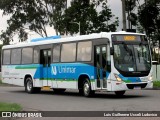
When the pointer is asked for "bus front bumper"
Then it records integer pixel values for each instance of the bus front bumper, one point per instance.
(121, 86)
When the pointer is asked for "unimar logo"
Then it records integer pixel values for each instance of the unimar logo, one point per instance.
(63, 69)
(54, 70)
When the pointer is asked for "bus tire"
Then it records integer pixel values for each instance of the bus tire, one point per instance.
(29, 86)
(58, 90)
(81, 91)
(87, 92)
(120, 93)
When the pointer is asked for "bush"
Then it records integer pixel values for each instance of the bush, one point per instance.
(156, 83)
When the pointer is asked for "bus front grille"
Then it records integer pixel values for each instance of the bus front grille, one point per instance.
(131, 86)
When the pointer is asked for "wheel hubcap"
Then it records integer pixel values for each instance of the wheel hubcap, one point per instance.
(86, 89)
(29, 85)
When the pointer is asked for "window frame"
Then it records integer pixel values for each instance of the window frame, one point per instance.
(75, 52)
(20, 56)
(34, 47)
(31, 55)
(3, 57)
(60, 45)
(90, 53)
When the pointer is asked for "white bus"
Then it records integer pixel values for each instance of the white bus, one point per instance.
(106, 61)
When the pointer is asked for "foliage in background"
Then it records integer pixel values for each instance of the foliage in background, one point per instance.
(35, 15)
(131, 16)
(156, 83)
(146, 21)
(93, 17)
(10, 107)
(149, 19)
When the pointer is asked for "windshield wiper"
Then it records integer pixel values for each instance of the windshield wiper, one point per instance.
(127, 49)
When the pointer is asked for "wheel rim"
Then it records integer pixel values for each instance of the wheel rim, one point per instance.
(86, 88)
(29, 85)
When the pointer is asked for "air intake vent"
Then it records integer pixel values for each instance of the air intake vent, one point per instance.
(131, 86)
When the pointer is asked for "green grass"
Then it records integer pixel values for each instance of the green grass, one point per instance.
(1, 84)
(9, 107)
(156, 83)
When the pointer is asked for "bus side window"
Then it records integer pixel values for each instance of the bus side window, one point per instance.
(16, 56)
(49, 58)
(6, 57)
(27, 54)
(36, 55)
(42, 57)
(56, 53)
(68, 52)
(84, 51)
(108, 59)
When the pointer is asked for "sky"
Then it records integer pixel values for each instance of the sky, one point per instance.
(114, 5)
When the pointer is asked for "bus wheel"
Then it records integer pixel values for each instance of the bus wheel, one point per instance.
(58, 90)
(120, 93)
(81, 91)
(29, 85)
(87, 89)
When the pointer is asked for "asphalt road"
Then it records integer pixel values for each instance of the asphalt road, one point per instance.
(136, 100)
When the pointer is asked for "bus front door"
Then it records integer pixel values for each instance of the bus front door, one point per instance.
(45, 61)
(101, 66)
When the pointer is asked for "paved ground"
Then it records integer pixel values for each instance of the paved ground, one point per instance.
(136, 100)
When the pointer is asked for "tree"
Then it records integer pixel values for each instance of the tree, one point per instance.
(149, 19)
(131, 5)
(55, 10)
(91, 20)
(33, 15)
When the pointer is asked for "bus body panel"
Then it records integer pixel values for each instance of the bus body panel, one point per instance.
(16, 73)
(130, 81)
(66, 75)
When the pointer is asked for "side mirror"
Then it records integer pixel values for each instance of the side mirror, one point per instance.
(111, 50)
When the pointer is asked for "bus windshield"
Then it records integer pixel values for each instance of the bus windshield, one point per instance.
(132, 58)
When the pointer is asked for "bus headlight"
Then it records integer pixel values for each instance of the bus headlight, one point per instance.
(117, 78)
(151, 78)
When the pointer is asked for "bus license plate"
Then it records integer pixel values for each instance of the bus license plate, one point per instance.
(137, 88)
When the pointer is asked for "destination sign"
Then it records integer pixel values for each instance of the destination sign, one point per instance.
(128, 38)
